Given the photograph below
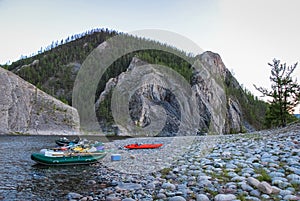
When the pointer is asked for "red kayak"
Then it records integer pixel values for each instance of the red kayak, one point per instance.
(143, 146)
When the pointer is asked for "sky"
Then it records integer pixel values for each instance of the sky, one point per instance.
(247, 34)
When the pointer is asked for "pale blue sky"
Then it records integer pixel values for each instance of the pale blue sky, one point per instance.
(246, 33)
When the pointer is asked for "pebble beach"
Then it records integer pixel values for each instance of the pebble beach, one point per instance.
(263, 165)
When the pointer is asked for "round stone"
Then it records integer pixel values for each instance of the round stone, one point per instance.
(225, 197)
(177, 198)
(202, 197)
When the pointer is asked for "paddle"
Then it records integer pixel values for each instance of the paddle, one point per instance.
(79, 154)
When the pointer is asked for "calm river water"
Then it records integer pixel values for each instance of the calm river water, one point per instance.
(22, 179)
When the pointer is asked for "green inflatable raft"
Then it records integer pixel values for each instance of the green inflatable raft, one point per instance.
(60, 158)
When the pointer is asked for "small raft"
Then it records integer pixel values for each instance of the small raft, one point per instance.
(65, 141)
(143, 146)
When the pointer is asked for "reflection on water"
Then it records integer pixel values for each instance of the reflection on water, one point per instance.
(22, 179)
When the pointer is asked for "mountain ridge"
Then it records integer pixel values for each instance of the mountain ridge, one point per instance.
(55, 70)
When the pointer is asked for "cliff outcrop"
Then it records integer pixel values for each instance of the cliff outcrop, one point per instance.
(24, 109)
(159, 104)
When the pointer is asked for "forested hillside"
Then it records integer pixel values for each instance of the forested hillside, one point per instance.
(55, 68)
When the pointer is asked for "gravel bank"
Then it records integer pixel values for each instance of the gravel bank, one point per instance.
(255, 166)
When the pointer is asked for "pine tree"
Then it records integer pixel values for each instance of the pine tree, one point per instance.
(285, 94)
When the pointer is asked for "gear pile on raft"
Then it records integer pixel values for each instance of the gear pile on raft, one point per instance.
(71, 152)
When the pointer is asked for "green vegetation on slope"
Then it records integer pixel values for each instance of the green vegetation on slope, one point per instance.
(55, 69)
(253, 109)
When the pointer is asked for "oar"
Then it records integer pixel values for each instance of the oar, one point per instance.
(61, 148)
(80, 154)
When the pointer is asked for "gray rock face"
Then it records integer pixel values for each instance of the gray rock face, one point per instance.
(167, 107)
(150, 99)
(28, 110)
(234, 116)
(210, 93)
(213, 81)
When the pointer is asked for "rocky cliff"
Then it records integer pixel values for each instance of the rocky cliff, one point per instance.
(212, 83)
(24, 109)
(162, 104)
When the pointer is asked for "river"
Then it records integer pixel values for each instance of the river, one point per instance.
(23, 179)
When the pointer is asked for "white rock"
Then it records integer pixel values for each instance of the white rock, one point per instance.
(72, 195)
(225, 197)
(265, 187)
(202, 197)
(168, 186)
(275, 190)
(253, 182)
(285, 192)
(177, 198)
(291, 197)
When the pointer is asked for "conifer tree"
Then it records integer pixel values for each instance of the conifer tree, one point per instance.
(284, 95)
